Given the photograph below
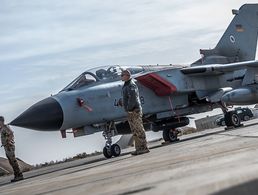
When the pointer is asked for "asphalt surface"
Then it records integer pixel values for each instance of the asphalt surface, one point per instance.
(216, 161)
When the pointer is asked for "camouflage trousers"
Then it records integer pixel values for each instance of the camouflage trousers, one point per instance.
(9, 151)
(136, 125)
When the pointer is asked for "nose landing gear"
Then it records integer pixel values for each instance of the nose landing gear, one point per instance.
(110, 149)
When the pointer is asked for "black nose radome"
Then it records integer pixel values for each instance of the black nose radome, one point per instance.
(46, 115)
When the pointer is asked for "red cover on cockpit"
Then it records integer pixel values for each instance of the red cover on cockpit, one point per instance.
(156, 83)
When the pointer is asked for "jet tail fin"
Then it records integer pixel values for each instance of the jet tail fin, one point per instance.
(239, 41)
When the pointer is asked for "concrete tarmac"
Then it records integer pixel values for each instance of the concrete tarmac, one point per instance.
(213, 161)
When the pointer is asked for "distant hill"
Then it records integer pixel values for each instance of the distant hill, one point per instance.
(5, 167)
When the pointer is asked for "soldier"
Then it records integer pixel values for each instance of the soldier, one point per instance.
(7, 139)
(132, 105)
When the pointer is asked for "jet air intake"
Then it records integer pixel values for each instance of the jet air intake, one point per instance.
(241, 96)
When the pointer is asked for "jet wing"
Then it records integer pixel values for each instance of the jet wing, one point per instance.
(216, 69)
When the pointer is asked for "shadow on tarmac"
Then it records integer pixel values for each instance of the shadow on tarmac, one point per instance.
(250, 188)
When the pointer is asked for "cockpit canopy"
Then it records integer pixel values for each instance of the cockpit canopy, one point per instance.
(101, 74)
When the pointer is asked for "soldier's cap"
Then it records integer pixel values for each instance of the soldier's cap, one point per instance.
(126, 72)
(2, 118)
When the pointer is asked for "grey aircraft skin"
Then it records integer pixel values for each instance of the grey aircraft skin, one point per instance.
(226, 75)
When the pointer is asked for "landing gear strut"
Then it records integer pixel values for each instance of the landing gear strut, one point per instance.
(110, 149)
(170, 135)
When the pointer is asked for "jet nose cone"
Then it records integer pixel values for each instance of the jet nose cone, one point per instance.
(45, 115)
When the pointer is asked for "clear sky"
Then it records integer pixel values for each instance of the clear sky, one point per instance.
(46, 44)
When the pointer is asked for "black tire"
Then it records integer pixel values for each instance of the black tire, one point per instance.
(232, 119)
(246, 118)
(170, 135)
(107, 152)
(115, 150)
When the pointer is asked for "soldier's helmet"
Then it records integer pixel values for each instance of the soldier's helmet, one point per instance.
(1, 118)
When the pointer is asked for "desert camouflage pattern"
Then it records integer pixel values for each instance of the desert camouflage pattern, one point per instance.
(135, 122)
(7, 139)
(10, 154)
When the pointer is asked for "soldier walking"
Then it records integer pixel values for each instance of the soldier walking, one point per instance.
(7, 139)
(132, 106)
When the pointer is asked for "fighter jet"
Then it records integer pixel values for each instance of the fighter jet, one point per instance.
(224, 76)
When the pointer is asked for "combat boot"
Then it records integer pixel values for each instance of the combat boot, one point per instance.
(17, 178)
(138, 152)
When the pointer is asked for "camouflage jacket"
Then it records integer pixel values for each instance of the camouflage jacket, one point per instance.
(131, 100)
(7, 137)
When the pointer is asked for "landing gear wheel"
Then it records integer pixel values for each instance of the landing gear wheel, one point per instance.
(115, 150)
(107, 152)
(232, 119)
(170, 135)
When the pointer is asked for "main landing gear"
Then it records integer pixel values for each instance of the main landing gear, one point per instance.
(232, 119)
(110, 149)
(170, 135)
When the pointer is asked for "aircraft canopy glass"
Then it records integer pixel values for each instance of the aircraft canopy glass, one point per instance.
(105, 73)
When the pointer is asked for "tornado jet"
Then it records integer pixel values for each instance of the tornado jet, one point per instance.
(224, 76)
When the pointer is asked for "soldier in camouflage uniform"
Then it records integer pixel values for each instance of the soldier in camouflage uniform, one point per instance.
(7, 139)
(132, 106)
